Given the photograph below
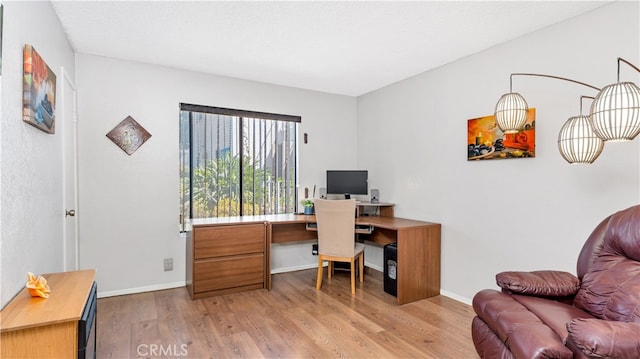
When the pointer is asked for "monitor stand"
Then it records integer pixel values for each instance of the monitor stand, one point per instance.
(347, 196)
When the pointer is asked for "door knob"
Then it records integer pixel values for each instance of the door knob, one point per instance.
(70, 213)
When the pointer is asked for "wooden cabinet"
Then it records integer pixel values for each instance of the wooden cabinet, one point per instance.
(225, 258)
(62, 326)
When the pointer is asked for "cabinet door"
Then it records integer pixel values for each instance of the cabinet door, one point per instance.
(228, 272)
(222, 241)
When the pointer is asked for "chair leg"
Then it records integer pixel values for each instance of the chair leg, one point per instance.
(319, 278)
(353, 276)
(361, 265)
(330, 269)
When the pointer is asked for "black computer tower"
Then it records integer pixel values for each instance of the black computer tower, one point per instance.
(391, 269)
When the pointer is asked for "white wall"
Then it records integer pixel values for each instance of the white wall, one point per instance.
(128, 209)
(523, 214)
(31, 202)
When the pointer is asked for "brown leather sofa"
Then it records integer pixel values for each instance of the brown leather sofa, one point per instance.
(553, 314)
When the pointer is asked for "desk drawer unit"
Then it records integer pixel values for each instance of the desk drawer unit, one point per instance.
(229, 272)
(228, 241)
(225, 259)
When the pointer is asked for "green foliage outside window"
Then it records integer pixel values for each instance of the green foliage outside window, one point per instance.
(216, 189)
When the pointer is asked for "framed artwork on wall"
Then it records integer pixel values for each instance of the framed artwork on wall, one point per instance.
(39, 92)
(129, 135)
(485, 140)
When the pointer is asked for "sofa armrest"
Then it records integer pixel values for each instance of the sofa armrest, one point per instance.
(539, 283)
(604, 338)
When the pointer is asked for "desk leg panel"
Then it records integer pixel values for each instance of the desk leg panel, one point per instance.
(418, 263)
(189, 264)
(267, 257)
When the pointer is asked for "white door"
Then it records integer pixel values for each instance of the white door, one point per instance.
(70, 180)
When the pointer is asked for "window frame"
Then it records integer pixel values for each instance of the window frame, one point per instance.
(243, 117)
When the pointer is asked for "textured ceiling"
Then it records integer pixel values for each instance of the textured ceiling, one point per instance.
(342, 47)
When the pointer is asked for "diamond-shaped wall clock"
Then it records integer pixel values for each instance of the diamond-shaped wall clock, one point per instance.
(129, 135)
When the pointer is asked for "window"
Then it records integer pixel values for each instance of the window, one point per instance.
(235, 163)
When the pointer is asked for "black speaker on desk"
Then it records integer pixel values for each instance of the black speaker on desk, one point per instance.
(391, 269)
(375, 196)
(323, 193)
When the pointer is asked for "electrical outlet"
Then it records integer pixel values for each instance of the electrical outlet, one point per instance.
(168, 264)
(314, 249)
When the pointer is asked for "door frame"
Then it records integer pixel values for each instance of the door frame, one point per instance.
(74, 160)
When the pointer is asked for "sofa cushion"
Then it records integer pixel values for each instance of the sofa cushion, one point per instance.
(541, 283)
(552, 313)
(610, 289)
(523, 332)
(605, 339)
(487, 343)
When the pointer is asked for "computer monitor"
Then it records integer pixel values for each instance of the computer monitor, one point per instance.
(347, 182)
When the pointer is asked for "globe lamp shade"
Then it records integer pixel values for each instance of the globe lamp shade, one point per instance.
(511, 112)
(577, 141)
(615, 112)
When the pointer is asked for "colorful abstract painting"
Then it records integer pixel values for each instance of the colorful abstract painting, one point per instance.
(485, 140)
(39, 92)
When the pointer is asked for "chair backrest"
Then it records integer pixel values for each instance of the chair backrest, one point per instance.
(336, 221)
(609, 268)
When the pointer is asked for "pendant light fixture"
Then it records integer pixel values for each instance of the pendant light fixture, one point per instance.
(577, 141)
(615, 112)
(511, 111)
(614, 116)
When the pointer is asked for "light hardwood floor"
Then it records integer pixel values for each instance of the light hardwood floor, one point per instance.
(293, 320)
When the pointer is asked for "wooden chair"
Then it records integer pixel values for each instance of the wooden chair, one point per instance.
(336, 238)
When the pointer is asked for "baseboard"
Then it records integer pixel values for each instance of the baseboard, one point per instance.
(293, 269)
(149, 288)
(454, 296)
(379, 269)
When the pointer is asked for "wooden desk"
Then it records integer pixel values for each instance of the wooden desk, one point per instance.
(418, 242)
